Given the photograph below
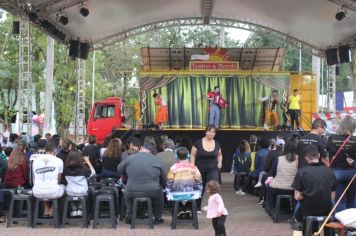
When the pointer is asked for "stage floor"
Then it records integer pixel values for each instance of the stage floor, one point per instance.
(228, 138)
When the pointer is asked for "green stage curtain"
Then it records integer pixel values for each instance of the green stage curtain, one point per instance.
(188, 105)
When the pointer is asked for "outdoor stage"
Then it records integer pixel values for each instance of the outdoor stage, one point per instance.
(228, 138)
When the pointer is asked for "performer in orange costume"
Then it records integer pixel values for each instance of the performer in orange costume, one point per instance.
(162, 110)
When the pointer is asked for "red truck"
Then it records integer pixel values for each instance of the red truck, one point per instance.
(105, 116)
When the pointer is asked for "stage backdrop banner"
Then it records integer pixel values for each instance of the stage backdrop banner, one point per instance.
(188, 106)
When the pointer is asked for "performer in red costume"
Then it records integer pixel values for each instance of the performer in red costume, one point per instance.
(162, 110)
(216, 103)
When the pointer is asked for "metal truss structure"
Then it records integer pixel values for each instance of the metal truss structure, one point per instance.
(80, 102)
(207, 10)
(349, 4)
(196, 21)
(331, 88)
(25, 77)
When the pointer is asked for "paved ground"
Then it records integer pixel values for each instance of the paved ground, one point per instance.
(246, 217)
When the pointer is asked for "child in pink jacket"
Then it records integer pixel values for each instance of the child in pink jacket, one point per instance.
(215, 210)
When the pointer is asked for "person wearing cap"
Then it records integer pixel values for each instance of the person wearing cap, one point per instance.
(41, 145)
(146, 176)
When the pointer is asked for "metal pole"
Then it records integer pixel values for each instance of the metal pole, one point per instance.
(300, 60)
(93, 81)
(322, 85)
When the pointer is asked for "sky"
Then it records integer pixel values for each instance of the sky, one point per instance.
(238, 34)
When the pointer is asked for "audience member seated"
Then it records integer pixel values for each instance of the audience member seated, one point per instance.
(285, 168)
(314, 186)
(66, 146)
(184, 177)
(76, 172)
(93, 151)
(111, 159)
(3, 164)
(146, 176)
(241, 166)
(47, 171)
(259, 163)
(167, 157)
(17, 171)
(105, 145)
(344, 163)
(152, 142)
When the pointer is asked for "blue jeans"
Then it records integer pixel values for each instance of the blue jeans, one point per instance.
(214, 115)
(343, 177)
(109, 174)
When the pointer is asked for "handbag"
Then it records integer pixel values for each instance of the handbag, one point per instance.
(340, 148)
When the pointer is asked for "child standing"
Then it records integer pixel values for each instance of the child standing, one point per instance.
(215, 210)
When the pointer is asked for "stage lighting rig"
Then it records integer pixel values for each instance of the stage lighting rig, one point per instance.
(341, 13)
(61, 18)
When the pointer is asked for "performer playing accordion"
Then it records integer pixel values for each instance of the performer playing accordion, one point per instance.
(216, 103)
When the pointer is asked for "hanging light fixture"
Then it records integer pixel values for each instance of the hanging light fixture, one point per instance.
(341, 13)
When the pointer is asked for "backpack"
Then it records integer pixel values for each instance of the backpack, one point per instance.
(242, 162)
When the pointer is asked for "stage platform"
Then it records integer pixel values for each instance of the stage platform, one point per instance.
(228, 138)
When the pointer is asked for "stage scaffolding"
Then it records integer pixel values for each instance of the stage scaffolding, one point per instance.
(25, 78)
(79, 131)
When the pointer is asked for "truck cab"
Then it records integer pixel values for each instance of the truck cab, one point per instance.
(105, 116)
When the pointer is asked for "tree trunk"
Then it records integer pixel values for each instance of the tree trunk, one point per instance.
(353, 74)
(49, 84)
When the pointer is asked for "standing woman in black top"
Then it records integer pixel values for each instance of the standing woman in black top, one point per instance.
(344, 164)
(206, 155)
(111, 159)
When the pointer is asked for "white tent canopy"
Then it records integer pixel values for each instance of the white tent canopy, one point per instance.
(308, 23)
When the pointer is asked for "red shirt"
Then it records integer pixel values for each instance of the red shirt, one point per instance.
(17, 177)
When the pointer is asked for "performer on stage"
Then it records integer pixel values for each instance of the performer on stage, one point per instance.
(216, 103)
(162, 110)
(294, 108)
(271, 109)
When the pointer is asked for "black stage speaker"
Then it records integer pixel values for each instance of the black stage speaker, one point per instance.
(16, 27)
(73, 48)
(337, 70)
(331, 56)
(344, 54)
(84, 50)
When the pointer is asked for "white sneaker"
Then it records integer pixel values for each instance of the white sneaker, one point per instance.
(265, 127)
(79, 213)
(73, 213)
(242, 193)
(258, 185)
(261, 202)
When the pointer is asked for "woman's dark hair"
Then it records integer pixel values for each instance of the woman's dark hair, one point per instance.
(92, 139)
(210, 127)
(186, 142)
(155, 95)
(213, 187)
(244, 146)
(106, 141)
(74, 159)
(114, 148)
(290, 151)
(264, 143)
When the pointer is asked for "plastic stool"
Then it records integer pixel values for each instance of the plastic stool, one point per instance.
(175, 220)
(82, 219)
(11, 218)
(309, 221)
(134, 212)
(277, 208)
(109, 198)
(54, 220)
